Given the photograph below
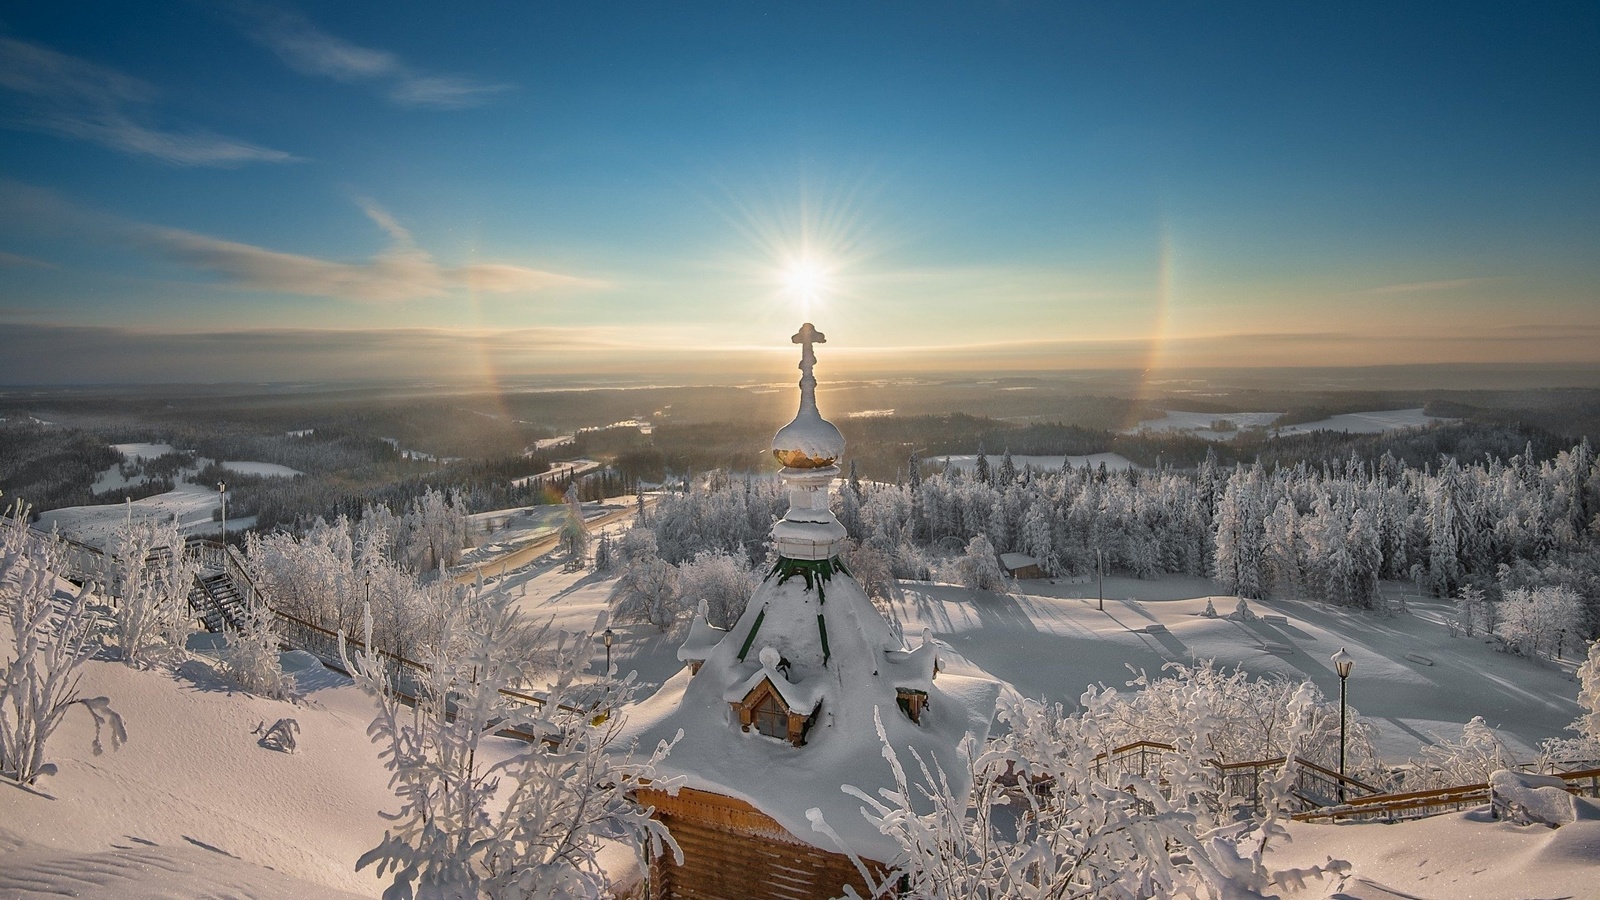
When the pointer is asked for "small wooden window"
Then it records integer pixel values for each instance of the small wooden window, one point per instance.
(771, 718)
(912, 703)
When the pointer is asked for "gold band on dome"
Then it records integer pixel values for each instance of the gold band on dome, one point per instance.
(797, 459)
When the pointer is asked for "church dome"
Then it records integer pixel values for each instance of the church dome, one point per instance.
(809, 441)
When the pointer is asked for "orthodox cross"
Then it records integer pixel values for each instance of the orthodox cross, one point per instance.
(808, 335)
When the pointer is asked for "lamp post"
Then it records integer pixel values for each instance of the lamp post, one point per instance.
(1100, 569)
(222, 493)
(608, 636)
(1343, 662)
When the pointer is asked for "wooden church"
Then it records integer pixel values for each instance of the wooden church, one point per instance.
(783, 709)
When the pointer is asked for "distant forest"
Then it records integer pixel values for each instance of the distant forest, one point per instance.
(348, 440)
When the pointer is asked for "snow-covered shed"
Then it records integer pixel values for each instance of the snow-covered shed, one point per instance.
(1020, 565)
(788, 705)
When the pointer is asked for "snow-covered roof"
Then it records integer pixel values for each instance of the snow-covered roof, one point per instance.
(855, 680)
(802, 698)
(811, 633)
(1015, 561)
(703, 636)
(913, 669)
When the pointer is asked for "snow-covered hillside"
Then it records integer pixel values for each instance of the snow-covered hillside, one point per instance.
(192, 803)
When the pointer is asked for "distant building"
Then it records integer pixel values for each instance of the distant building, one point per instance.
(783, 708)
(1020, 565)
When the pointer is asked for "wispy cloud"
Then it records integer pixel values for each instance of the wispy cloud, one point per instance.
(309, 50)
(401, 271)
(1418, 287)
(53, 93)
(18, 261)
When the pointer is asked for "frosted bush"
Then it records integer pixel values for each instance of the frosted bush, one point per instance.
(723, 581)
(979, 567)
(532, 823)
(152, 582)
(648, 588)
(1471, 760)
(251, 657)
(1043, 819)
(49, 641)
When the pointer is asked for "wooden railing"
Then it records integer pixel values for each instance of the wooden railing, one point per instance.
(1315, 784)
(1416, 804)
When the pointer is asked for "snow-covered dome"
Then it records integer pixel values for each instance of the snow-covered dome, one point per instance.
(809, 441)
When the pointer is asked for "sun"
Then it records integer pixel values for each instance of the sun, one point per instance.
(806, 280)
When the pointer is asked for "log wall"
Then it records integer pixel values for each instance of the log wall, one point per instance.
(733, 851)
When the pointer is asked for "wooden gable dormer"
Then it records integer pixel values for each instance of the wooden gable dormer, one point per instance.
(765, 708)
(912, 702)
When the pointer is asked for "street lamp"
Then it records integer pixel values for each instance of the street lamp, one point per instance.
(608, 636)
(222, 493)
(1100, 569)
(1343, 662)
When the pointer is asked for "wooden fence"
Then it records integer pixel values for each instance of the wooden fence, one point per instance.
(1315, 785)
(1417, 804)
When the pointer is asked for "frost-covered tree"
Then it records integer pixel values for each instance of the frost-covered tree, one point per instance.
(1469, 610)
(648, 588)
(1470, 760)
(604, 553)
(721, 581)
(871, 568)
(252, 656)
(574, 532)
(335, 572)
(1583, 751)
(1540, 621)
(153, 577)
(979, 567)
(529, 824)
(50, 638)
(1045, 819)
(434, 531)
(1588, 724)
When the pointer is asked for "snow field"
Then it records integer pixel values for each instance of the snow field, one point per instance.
(266, 469)
(1367, 422)
(142, 452)
(93, 525)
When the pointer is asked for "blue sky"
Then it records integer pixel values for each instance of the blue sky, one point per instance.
(211, 191)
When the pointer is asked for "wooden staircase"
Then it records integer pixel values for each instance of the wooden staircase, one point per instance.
(217, 601)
